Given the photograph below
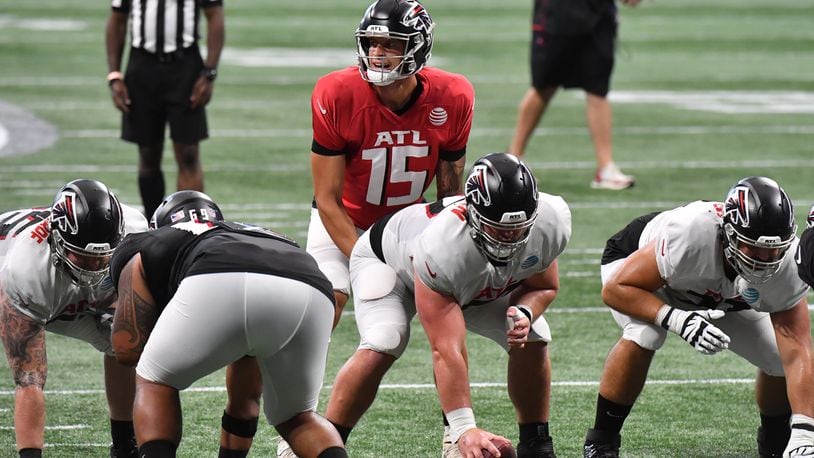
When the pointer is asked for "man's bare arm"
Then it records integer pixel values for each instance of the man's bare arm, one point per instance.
(449, 178)
(136, 314)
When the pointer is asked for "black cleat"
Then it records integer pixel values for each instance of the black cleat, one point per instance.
(539, 447)
(601, 444)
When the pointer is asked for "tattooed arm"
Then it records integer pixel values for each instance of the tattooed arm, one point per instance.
(24, 341)
(449, 178)
(136, 313)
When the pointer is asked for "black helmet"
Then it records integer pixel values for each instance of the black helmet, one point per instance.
(183, 206)
(405, 20)
(86, 220)
(501, 197)
(757, 213)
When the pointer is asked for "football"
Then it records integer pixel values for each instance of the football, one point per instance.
(504, 447)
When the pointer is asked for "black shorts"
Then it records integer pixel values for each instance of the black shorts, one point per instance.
(584, 61)
(159, 93)
(623, 243)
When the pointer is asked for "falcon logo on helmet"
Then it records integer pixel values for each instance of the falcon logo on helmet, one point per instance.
(63, 214)
(476, 189)
(736, 206)
(417, 18)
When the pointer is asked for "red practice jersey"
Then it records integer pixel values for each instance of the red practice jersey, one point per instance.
(390, 158)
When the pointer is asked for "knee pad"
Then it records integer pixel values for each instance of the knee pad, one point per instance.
(238, 427)
(540, 327)
(648, 337)
(374, 281)
(386, 339)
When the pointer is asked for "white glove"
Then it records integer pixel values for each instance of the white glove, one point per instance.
(801, 442)
(695, 328)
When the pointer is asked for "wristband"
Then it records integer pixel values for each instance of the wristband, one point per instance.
(663, 317)
(113, 76)
(526, 311)
(460, 421)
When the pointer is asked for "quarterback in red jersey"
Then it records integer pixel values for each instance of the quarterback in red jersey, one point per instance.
(379, 140)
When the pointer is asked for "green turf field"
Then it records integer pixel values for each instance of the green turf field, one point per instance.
(705, 93)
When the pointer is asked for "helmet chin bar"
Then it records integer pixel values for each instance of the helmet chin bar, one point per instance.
(494, 249)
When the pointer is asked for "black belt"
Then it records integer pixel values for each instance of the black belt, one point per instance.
(167, 57)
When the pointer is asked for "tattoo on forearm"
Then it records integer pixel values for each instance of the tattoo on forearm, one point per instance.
(449, 178)
(24, 343)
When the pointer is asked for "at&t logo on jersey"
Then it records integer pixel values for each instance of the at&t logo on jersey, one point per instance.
(438, 116)
(63, 214)
(529, 262)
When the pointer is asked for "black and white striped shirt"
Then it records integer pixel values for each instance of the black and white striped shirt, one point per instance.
(163, 26)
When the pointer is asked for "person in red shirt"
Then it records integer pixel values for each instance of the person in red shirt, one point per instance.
(379, 140)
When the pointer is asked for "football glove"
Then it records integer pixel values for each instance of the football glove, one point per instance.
(801, 442)
(695, 328)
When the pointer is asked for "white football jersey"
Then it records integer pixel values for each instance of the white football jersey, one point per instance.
(28, 276)
(439, 248)
(690, 259)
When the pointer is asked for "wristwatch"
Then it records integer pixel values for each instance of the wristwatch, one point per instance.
(209, 73)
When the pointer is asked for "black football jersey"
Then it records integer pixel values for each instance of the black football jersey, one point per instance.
(171, 253)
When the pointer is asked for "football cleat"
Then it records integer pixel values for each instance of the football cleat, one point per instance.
(610, 177)
(539, 447)
(601, 444)
(129, 452)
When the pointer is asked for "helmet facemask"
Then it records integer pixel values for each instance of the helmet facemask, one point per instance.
(372, 68)
(754, 270)
(60, 254)
(500, 240)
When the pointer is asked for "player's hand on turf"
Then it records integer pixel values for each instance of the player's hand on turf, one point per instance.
(801, 442)
(696, 328)
(518, 326)
(472, 443)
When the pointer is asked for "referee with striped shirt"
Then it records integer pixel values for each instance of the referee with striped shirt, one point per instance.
(166, 82)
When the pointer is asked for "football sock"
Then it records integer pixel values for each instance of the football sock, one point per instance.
(333, 452)
(344, 432)
(774, 432)
(157, 449)
(31, 453)
(610, 416)
(152, 192)
(121, 432)
(529, 431)
(227, 453)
